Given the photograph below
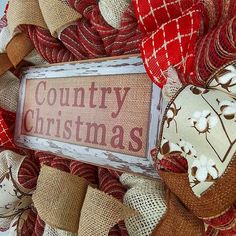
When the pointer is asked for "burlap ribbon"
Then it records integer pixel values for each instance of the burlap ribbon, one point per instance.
(9, 84)
(178, 220)
(52, 15)
(5, 63)
(22, 12)
(214, 201)
(67, 202)
(185, 219)
(19, 47)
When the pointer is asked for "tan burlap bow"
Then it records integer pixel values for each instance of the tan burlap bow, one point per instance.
(52, 15)
(67, 202)
(186, 219)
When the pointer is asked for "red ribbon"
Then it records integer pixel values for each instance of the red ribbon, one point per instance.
(170, 30)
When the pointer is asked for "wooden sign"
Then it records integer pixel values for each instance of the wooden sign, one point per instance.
(104, 112)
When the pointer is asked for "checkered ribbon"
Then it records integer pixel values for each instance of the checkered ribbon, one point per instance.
(170, 30)
(7, 120)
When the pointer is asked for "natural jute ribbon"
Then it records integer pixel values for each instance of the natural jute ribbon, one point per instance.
(183, 219)
(67, 202)
(19, 47)
(52, 15)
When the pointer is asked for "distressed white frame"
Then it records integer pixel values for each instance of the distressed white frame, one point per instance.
(109, 159)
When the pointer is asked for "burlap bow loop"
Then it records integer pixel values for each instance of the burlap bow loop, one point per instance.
(52, 15)
(18, 48)
(67, 202)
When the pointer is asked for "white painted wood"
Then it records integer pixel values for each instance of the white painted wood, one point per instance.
(108, 159)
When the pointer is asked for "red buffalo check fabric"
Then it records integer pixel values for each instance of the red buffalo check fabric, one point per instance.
(193, 36)
(170, 30)
(7, 120)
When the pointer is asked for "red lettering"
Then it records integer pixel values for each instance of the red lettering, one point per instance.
(103, 99)
(52, 96)
(67, 132)
(66, 102)
(26, 122)
(92, 91)
(79, 124)
(120, 100)
(117, 140)
(96, 128)
(136, 139)
(37, 92)
(82, 92)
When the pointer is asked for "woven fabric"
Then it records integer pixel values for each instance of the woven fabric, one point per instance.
(216, 205)
(50, 231)
(148, 198)
(9, 84)
(7, 119)
(109, 215)
(223, 224)
(112, 11)
(212, 203)
(106, 182)
(5, 63)
(110, 184)
(23, 12)
(224, 79)
(191, 36)
(35, 58)
(170, 33)
(19, 47)
(178, 220)
(3, 22)
(62, 186)
(96, 37)
(57, 15)
(215, 49)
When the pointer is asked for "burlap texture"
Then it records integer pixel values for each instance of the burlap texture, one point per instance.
(35, 58)
(50, 231)
(148, 198)
(65, 202)
(214, 201)
(100, 212)
(112, 11)
(57, 15)
(59, 198)
(5, 63)
(9, 89)
(178, 220)
(19, 47)
(24, 12)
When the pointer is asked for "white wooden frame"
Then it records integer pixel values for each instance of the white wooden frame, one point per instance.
(112, 66)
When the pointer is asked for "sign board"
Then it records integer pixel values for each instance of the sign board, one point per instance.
(104, 112)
